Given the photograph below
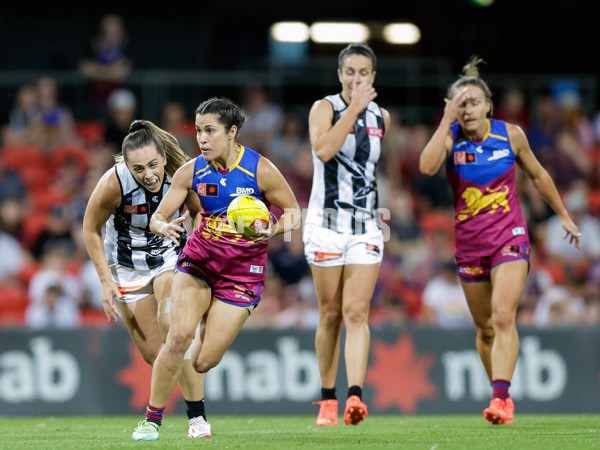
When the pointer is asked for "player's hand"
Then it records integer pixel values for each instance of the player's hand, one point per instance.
(460, 96)
(362, 94)
(109, 292)
(571, 232)
(173, 230)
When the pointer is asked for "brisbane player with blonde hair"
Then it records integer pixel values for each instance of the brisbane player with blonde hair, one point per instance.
(492, 241)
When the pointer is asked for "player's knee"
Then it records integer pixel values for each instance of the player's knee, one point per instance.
(355, 316)
(486, 334)
(179, 341)
(203, 366)
(331, 317)
(503, 319)
(149, 357)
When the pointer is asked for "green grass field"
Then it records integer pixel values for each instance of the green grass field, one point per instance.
(531, 431)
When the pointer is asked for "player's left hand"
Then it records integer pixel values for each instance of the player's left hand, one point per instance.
(572, 231)
(173, 230)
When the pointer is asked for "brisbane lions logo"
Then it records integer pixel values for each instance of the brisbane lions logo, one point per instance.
(477, 201)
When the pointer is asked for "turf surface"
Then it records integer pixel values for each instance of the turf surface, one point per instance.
(531, 431)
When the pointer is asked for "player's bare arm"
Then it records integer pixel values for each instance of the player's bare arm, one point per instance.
(542, 181)
(327, 140)
(278, 192)
(103, 202)
(436, 152)
(160, 223)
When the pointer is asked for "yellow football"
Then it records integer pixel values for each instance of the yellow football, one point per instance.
(248, 215)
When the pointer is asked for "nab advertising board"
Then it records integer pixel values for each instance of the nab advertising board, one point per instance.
(411, 371)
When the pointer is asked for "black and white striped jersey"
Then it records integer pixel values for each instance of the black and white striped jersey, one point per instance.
(343, 197)
(128, 240)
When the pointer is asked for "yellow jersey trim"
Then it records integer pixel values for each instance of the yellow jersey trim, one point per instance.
(203, 169)
(236, 164)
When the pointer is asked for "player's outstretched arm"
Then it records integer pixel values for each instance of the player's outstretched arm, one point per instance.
(160, 223)
(542, 181)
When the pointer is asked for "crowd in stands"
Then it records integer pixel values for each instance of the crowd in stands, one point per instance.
(50, 161)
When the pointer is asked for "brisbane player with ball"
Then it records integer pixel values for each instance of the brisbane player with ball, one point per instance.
(220, 273)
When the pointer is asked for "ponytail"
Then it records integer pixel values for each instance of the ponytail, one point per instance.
(470, 77)
(142, 133)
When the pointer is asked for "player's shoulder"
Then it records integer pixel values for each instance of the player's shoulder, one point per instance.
(109, 181)
(322, 105)
(515, 133)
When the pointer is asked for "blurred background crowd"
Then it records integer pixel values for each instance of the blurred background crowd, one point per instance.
(51, 159)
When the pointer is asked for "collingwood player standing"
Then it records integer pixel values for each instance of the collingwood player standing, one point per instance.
(343, 240)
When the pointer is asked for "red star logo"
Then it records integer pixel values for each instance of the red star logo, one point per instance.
(211, 189)
(136, 376)
(399, 375)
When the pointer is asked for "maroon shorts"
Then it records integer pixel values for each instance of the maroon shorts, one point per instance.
(235, 292)
(478, 268)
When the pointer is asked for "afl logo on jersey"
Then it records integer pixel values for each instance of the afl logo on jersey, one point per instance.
(208, 189)
(136, 209)
(464, 158)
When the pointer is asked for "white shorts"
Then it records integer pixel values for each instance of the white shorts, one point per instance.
(326, 248)
(136, 284)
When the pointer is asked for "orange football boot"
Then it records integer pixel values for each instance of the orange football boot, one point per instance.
(328, 413)
(500, 412)
(356, 411)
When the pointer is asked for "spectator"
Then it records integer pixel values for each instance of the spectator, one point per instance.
(58, 231)
(285, 147)
(576, 202)
(567, 161)
(546, 119)
(264, 118)
(11, 183)
(561, 305)
(393, 148)
(13, 258)
(296, 312)
(512, 108)
(444, 302)
(54, 293)
(287, 258)
(91, 287)
(175, 122)
(122, 108)
(24, 120)
(108, 63)
(12, 217)
(58, 124)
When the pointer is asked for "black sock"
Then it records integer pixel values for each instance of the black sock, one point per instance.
(355, 390)
(195, 409)
(328, 394)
